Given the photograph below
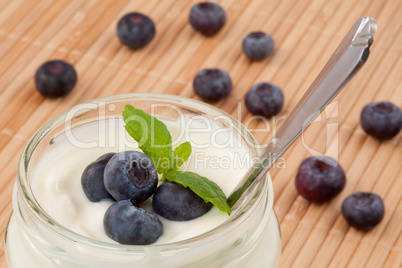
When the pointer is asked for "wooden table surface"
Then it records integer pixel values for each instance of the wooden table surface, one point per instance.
(306, 33)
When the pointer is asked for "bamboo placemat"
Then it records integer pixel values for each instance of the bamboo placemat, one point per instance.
(306, 33)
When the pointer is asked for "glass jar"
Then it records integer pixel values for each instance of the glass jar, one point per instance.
(250, 237)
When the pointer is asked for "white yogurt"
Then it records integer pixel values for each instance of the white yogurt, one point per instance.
(253, 240)
(57, 178)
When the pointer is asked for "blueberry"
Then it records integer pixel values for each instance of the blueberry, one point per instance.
(363, 210)
(258, 46)
(382, 120)
(264, 99)
(135, 30)
(130, 175)
(207, 18)
(177, 203)
(212, 84)
(320, 179)
(55, 78)
(92, 179)
(128, 224)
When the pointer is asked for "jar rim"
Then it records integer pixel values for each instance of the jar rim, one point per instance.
(237, 217)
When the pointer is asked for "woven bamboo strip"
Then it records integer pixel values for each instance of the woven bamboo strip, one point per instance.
(14, 78)
(378, 251)
(394, 259)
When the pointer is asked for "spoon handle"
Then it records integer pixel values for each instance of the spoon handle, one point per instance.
(347, 59)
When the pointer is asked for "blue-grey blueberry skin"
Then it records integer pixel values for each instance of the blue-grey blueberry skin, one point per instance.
(177, 203)
(258, 45)
(264, 99)
(319, 181)
(382, 120)
(92, 179)
(212, 84)
(207, 18)
(135, 30)
(363, 210)
(128, 224)
(55, 78)
(130, 175)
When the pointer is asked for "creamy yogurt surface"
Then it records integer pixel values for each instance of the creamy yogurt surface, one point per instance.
(217, 153)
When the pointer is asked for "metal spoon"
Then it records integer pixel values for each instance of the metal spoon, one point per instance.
(347, 59)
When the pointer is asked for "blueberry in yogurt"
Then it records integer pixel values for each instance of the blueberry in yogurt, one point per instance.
(92, 179)
(130, 175)
(128, 224)
(177, 203)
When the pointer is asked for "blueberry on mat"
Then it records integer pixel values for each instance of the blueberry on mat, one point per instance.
(320, 179)
(382, 120)
(212, 84)
(265, 99)
(55, 78)
(258, 46)
(135, 30)
(207, 18)
(363, 210)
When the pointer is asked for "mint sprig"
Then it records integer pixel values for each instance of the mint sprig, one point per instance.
(154, 140)
(203, 187)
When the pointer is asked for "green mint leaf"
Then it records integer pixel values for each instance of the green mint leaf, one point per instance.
(154, 139)
(182, 153)
(203, 187)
